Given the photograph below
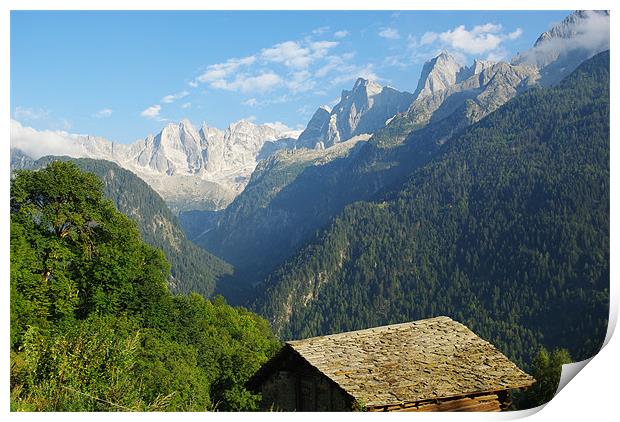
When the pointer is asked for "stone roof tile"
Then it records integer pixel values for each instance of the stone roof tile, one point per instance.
(402, 363)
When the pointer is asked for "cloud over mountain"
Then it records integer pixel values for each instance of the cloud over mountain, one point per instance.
(477, 40)
(37, 144)
(583, 30)
(293, 66)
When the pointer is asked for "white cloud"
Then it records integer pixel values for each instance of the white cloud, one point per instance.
(252, 102)
(27, 113)
(294, 55)
(279, 126)
(320, 30)
(250, 83)
(290, 53)
(306, 110)
(41, 116)
(497, 55)
(473, 42)
(152, 112)
(515, 34)
(220, 71)
(300, 81)
(389, 33)
(271, 99)
(429, 38)
(591, 33)
(487, 27)
(294, 65)
(173, 97)
(321, 48)
(396, 61)
(333, 63)
(37, 144)
(352, 72)
(103, 113)
(185, 106)
(485, 38)
(284, 129)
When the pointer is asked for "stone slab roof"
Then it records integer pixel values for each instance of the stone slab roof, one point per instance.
(402, 363)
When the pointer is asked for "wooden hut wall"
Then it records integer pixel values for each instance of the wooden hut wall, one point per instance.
(294, 385)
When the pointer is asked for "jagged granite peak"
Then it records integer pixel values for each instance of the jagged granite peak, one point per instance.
(316, 128)
(479, 65)
(189, 168)
(363, 109)
(367, 86)
(569, 27)
(558, 51)
(176, 149)
(481, 93)
(439, 73)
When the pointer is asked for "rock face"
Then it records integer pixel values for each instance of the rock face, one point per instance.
(317, 128)
(558, 51)
(457, 95)
(364, 109)
(189, 168)
(206, 168)
(438, 74)
(489, 86)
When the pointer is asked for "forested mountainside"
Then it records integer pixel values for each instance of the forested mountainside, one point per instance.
(506, 230)
(93, 326)
(289, 198)
(192, 268)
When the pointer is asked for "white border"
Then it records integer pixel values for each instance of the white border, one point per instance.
(590, 396)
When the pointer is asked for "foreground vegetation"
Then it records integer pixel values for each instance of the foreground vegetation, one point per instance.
(93, 326)
(192, 269)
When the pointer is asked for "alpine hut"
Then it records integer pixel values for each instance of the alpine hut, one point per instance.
(434, 364)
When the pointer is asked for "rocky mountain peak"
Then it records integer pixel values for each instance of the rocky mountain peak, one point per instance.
(570, 26)
(558, 51)
(438, 74)
(363, 89)
(240, 124)
(316, 128)
(363, 109)
(480, 65)
(185, 123)
(368, 86)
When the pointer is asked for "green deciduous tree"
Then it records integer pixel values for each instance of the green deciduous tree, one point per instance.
(93, 326)
(547, 369)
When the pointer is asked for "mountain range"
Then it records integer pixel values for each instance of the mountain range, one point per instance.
(290, 197)
(189, 168)
(206, 168)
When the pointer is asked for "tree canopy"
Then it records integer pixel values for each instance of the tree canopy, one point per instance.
(93, 326)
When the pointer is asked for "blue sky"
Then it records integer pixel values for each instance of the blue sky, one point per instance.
(123, 75)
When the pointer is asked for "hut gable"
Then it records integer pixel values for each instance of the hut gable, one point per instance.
(420, 362)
